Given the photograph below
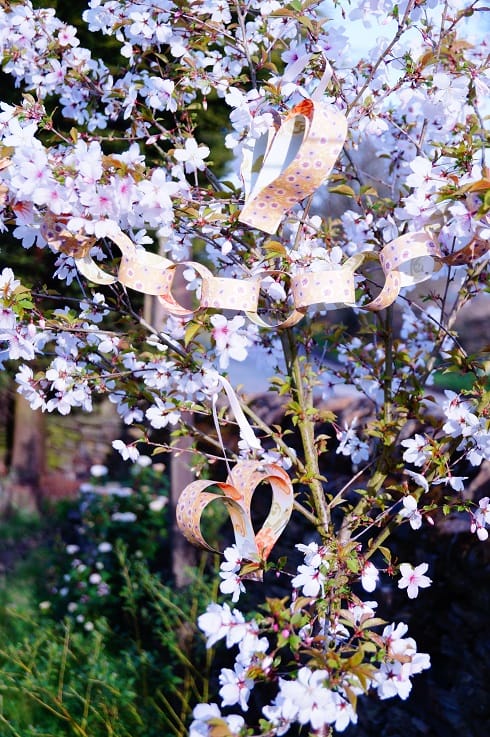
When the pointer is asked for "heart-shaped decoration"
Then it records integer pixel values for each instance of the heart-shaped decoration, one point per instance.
(236, 494)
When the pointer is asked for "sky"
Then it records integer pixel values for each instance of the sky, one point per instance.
(361, 37)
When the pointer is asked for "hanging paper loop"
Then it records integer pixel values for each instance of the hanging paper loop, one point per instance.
(333, 288)
(410, 259)
(290, 164)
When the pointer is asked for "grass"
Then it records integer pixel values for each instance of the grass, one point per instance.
(455, 381)
(58, 680)
(23, 561)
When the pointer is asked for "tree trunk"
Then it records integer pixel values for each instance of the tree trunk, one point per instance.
(184, 555)
(28, 456)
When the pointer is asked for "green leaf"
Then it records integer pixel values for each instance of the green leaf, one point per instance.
(306, 22)
(218, 728)
(342, 189)
(386, 553)
(368, 189)
(274, 248)
(377, 480)
(353, 565)
(191, 331)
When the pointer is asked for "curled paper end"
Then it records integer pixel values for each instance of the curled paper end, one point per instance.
(89, 269)
(407, 260)
(246, 432)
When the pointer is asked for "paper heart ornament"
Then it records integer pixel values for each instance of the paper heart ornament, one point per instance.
(236, 494)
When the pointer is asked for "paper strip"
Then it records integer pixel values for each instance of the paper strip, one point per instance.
(333, 288)
(230, 294)
(144, 271)
(246, 432)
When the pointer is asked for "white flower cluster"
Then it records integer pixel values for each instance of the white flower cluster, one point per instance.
(462, 422)
(74, 180)
(402, 662)
(309, 700)
(351, 445)
(22, 341)
(314, 696)
(481, 519)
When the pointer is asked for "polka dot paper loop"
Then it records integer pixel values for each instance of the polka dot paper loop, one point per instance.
(410, 259)
(93, 272)
(236, 494)
(230, 294)
(144, 271)
(288, 322)
(166, 298)
(333, 288)
(288, 165)
(89, 269)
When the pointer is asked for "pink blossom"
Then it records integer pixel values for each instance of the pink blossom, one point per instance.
(369, 577)
(411, 512)
(310, 579)
(413, 578)
(128, 452)
(218, 621)
(418, 451)
(235, 686)
(192, 155)
(231, 341)
(231, 584)
(419, 479)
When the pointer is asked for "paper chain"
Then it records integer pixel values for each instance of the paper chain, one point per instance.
(285, 166)
(236, 494)
(407, 260)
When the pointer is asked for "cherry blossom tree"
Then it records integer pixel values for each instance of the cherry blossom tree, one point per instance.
(106, 172)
